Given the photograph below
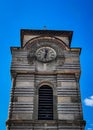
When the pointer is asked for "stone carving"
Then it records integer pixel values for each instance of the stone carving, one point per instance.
(31, 58)
(33, 46)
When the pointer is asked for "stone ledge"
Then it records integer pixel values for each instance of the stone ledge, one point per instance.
(48, 122)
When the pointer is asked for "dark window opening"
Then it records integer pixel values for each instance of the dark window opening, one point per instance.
(45, 108)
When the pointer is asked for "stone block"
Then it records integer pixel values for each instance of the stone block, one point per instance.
(64, 99)
(25, 99)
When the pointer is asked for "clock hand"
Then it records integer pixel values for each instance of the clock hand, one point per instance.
(46, 52)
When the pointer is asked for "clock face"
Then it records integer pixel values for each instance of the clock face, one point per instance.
(45, 54)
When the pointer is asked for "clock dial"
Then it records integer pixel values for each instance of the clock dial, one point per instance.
(45, 54)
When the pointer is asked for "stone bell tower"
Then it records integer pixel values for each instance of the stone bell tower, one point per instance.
(45, 91)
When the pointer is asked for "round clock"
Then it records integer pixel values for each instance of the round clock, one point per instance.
(45, 54)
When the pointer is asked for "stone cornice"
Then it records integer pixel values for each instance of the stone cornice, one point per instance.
(61, 33)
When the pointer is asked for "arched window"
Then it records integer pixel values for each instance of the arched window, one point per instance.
(45, 103)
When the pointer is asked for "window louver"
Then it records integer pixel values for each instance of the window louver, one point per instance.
(45, 110)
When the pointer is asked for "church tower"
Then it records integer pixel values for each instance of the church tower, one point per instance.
(45, 91)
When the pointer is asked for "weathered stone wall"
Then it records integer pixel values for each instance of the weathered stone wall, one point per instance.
(68, 95)
(62, 74)
(22, 95)
(67, 64)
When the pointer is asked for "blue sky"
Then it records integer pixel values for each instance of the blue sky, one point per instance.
(75, 15)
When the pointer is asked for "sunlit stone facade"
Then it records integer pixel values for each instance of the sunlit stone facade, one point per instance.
(45, 91)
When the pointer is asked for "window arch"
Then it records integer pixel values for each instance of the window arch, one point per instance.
(45, 103)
